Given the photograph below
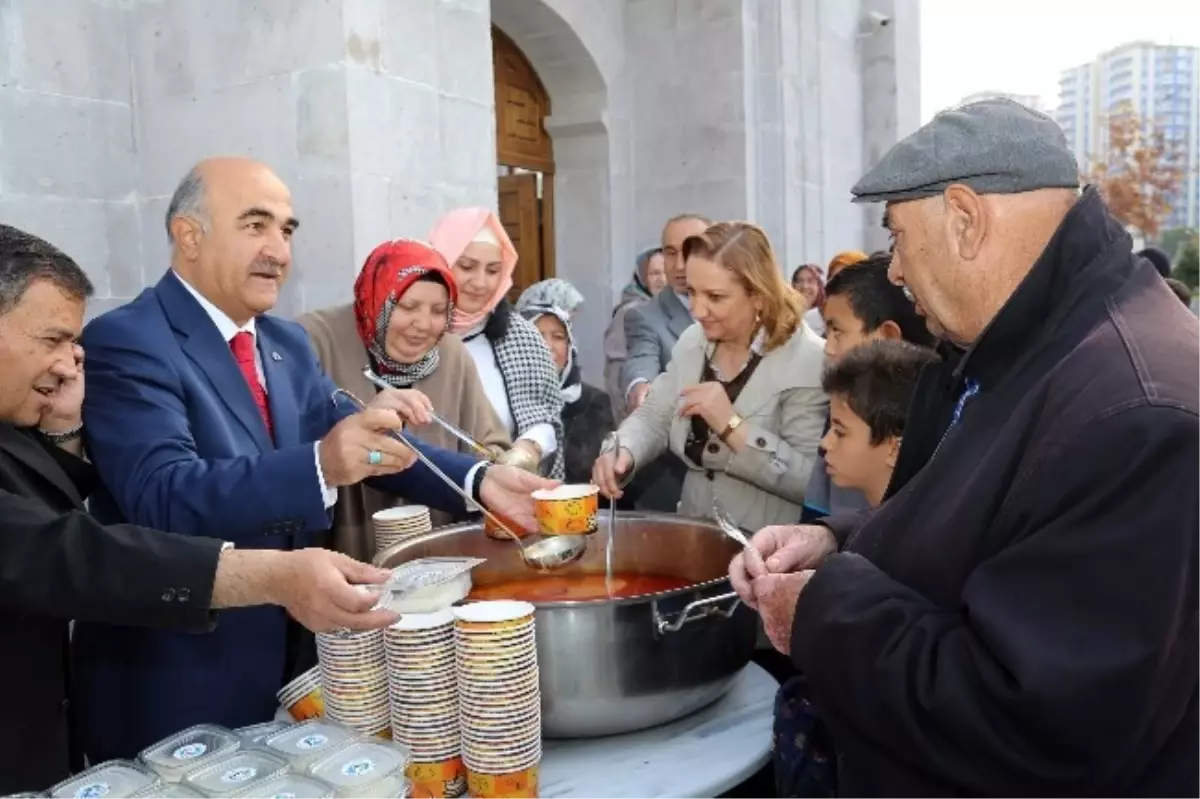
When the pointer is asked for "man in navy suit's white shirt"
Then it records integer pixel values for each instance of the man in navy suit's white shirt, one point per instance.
(206, 416)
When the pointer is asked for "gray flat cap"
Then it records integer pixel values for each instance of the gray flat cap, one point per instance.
(993, 146)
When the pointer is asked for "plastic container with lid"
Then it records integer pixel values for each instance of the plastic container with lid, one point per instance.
(303, 743)
(364, 769)
(238, 771)
(169, 790)
(189, 750)
(116, 778)
(255, 734)
(288, 786)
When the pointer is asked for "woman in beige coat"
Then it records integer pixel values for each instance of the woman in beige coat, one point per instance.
(397, 326)
(741, 400)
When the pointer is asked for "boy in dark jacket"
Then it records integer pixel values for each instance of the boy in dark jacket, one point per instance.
(861, 306)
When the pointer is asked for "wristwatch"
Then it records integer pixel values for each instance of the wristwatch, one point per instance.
(734, 422)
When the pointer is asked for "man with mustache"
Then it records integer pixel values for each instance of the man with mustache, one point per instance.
(204, 413)
(57, 563)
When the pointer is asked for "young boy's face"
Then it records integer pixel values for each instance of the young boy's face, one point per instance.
(843, 330)
(851, 460)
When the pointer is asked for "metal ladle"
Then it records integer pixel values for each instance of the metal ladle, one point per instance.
(549, 554)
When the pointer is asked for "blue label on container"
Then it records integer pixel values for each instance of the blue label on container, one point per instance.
(189, 751)
(93, 790)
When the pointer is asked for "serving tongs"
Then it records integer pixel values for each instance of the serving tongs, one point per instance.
(454, 430)
(546, 555)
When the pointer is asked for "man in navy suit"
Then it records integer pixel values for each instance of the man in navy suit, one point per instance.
(204, 415)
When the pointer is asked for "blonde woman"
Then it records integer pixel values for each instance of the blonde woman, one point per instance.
(741, 401)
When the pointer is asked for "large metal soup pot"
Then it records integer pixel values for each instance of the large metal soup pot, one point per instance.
(617, 665)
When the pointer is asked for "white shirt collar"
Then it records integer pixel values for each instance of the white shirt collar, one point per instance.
(685, 299)
(224, 324)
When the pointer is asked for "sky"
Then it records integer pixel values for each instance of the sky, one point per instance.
(1021, 46)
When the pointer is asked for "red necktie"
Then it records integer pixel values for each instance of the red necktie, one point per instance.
(242, 345)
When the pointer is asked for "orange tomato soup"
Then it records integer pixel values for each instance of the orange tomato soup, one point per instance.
(579, 587)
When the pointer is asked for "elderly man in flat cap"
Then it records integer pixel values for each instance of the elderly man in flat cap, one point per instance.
(1019, 616)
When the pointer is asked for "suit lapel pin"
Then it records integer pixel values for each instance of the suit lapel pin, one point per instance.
(275, 356)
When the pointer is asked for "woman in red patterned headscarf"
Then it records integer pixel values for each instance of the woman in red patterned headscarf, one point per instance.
(397, 326)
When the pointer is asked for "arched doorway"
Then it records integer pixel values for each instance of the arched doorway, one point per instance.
(525, 162)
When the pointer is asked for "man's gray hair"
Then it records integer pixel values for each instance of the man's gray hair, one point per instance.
(25, 258)
(188, 201)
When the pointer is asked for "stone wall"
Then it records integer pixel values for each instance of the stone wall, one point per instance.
(379, 115)
(67, 153)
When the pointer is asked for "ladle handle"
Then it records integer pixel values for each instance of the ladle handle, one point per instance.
(695, 611)
(470, 500)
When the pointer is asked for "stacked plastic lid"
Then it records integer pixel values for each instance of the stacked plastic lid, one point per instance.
(354, 684)
(239, 771)
(114, 778)
(424, 697)
(191, 749)
(393, 525)
(499, 702)
(302, 697)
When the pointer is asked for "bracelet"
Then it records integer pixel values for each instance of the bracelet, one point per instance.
(65, 436)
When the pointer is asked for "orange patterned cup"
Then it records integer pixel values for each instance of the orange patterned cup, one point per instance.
(445, 779)
(309, 706)
(514, 785)
(567, 510)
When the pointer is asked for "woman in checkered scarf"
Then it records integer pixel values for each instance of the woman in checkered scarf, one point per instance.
(587, 413)
(513, 361)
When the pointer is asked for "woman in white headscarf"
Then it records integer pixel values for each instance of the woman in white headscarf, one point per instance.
(587, 414)
(514, 363)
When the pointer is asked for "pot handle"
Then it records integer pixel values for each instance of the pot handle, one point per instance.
(694, 611)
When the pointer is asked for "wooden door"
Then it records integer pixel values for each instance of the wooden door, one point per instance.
(519, 215)
(522, 148)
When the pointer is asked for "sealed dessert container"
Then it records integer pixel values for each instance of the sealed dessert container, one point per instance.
(427, 585)
(288, 786)
(189, 750)
(169, 790)
(116, 778)
(255, 734)
(303, 743)
(236, 772)
(364, 769)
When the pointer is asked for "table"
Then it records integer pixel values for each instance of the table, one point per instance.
(701, 755)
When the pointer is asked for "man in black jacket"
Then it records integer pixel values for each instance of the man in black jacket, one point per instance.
(57, 563)
(1019, 617)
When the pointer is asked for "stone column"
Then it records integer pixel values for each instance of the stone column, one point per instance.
(891, 86)
(378, 115)
(686, 70)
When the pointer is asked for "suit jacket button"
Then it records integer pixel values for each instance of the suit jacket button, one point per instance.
(761, 442)
(713, 447)
(184, 595)
(168, 595)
